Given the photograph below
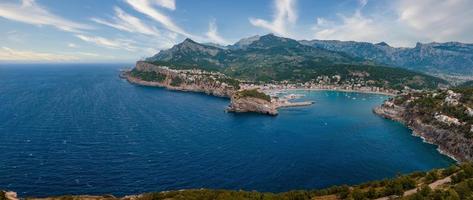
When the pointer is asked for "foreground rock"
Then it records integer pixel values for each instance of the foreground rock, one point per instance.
(452, 136)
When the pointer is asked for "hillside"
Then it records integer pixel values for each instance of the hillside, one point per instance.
(274, 59)
(455, 182)
(452, 58)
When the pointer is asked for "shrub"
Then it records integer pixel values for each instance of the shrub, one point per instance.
(148, 75)
(432, 176)
(176, 81)
(254, 93)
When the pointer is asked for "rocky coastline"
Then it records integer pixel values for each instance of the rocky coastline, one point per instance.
(188, 84)
(251, 104)
(209, 83)
(451, 144)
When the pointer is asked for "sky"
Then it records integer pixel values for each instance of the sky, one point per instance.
(129, 30)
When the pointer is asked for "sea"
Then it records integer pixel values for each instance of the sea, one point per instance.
(80, 129)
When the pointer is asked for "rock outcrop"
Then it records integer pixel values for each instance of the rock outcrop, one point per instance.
(252, 104)
(8, 195)
(449, 142)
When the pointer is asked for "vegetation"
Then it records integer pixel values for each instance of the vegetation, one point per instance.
(253, 93)
(148, 75)
(461, 187)
(458, 189)
(230, 81)
(2, 195)
(426, 105)
(176, 81)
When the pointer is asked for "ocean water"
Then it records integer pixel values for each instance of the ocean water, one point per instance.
(79, 129)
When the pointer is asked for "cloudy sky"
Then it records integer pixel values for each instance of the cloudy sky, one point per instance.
(127, 30)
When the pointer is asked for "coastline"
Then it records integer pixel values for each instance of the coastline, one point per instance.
(335, 90)
(439, 148)
(426, 132)
(186, 88)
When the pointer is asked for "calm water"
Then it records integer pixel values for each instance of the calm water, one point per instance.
(76, 129)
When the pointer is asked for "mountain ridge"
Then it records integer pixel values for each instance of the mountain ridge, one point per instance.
(435, 58)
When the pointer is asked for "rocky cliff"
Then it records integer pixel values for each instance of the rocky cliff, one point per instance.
(449, 142)
(252, 104)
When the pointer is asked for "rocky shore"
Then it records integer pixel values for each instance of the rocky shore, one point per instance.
(251, 104)
(449, 143)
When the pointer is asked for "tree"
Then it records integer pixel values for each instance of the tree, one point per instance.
(451, 195)
(371, 194)
(432, 176)
(463, 190)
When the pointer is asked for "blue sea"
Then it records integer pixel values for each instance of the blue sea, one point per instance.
(80, 129)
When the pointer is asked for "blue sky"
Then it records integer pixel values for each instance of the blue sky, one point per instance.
(127, 30)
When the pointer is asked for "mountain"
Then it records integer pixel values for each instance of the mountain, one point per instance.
(266, 58)
(244, 42)
(271, 58)
(190, 54)
(452, 58)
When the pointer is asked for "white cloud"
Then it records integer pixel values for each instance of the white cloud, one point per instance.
(72, 45)
(285, 15)
(125, 22)
(169, 4)
(439, 20)
(213, 35)
(8, 54)
(31, 13)
(107, 43)
(412, 21)
(356, 27)
(146, 7)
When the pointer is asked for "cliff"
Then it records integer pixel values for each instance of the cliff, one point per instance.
(449, 142)
(252, 104)
(252, 100)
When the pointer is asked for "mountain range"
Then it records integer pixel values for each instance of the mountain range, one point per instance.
(451, 58)
(271, 58)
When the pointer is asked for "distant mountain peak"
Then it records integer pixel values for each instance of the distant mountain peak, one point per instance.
(383, 44)
(188, 40)
(271, 40)
(244, 42)
(271, 36)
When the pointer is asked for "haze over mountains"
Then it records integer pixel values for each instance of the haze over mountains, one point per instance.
(452, 58)
(441, 59)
